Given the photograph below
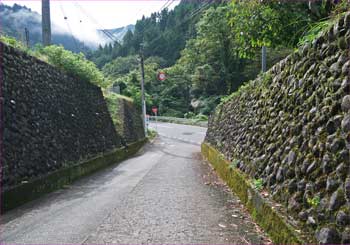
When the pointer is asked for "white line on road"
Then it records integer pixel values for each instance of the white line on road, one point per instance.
(163, 126)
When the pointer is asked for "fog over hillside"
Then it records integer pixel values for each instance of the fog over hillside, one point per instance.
(118, 33)
(14, 20)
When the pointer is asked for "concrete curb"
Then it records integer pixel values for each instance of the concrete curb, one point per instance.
(271, 220)
(198, 124)
(23, 193)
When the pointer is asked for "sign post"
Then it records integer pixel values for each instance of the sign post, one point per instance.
(155, 111)
(263, 59)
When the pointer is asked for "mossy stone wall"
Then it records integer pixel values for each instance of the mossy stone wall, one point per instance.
(291, 128)
(131, 126)
(279, 229)
(25, 192)
(51, 120)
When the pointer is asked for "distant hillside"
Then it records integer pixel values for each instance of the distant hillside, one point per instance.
(164, 34)
(118, 33)
(14, 20)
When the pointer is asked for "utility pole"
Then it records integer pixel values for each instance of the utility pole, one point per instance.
(46, 22)
(143, 90)
(263, 59)
(27, 36)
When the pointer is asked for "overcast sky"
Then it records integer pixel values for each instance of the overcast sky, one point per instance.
(104, 14)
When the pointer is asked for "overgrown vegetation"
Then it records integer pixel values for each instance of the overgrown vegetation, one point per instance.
(316, 29)
(269, 23)
(314, 202)
(67, 61)
(220, 50)
(233, 164)
(112, 104)
(206, 57)
(162, 34)
(258, 184)
(151, 134)
(76, 65)
(11, 41)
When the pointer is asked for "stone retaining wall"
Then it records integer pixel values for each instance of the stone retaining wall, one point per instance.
(25, 192)
(131, 127)
(290, 129)
(51, 120)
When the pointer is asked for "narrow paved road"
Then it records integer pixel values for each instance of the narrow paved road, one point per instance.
(165, 194)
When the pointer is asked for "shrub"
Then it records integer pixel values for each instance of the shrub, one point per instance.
(258, 184)
(112, 100)
(314, 202)
(74, 64)
(69, 62)
(201, 117)
(10, 41)
(189, 115)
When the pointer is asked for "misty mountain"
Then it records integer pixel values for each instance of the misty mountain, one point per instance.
(15, 19)
(118, 33)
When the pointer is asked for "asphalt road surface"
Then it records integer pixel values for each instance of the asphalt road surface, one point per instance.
(165, 194)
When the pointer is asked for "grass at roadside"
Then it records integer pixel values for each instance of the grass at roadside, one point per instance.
(151, 134)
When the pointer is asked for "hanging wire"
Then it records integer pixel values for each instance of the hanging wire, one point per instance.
(192, 15)
(169, 2)
(69, 28)
(96, 23)
(114, 38)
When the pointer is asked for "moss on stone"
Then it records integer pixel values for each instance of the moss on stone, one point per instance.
(262, 212)
(26, 192)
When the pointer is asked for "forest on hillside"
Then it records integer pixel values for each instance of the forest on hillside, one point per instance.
(208, 49)
(15, 19)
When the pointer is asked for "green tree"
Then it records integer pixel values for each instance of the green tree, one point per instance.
(258, 23)
(121, 66)
(163, 34)
(74, 64)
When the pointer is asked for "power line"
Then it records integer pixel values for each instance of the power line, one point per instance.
(166, 5)
(193, 14)
(69, 28)
(160, 10)
(107, 33)
(173, 1)
(97, 24)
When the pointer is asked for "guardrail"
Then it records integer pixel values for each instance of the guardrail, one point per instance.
(177, 120)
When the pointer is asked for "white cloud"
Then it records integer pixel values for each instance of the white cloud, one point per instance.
(84, 17)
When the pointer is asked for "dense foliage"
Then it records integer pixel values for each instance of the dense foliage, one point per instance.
(75, 64)
(272, 24)
(207, 49)
(65, 60)
(163, 34)
(207, 68)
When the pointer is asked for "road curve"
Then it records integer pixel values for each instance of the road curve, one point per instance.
(165, 194)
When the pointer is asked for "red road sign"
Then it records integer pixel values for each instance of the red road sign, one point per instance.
(154, 109)
(161, 76)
